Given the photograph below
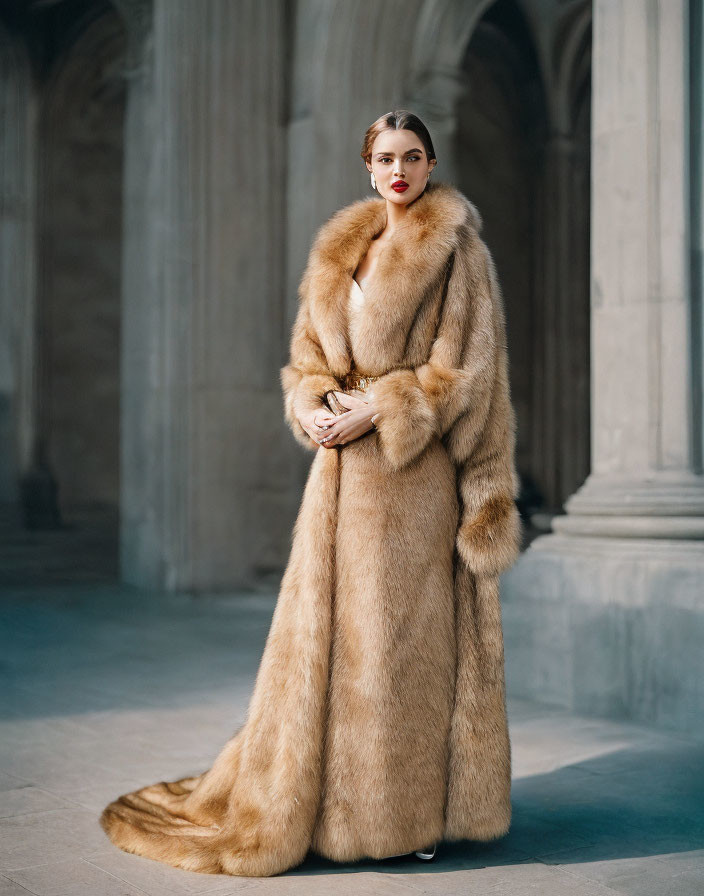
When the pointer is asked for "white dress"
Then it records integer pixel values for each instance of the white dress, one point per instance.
(356, 295)
(356, 302)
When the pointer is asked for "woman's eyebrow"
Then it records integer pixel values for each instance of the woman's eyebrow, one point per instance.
(405, 153)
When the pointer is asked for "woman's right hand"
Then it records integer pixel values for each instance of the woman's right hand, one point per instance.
(316, 422)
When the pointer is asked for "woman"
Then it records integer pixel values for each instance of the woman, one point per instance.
(377, 725)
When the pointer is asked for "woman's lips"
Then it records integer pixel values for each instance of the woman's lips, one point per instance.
(400, 187)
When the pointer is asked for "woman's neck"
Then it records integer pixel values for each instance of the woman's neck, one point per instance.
(395, 214)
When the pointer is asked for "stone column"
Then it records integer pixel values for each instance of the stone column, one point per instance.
(18, 143)
(204, 477)
(643, 481)
(696, 192)
(606, 613)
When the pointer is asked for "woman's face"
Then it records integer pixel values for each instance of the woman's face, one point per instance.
(400, 156)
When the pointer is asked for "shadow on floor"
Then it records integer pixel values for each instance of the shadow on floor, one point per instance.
(100, 676)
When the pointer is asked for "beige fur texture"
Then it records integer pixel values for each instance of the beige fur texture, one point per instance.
(377, 724)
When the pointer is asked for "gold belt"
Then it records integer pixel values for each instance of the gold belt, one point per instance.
(354, 380)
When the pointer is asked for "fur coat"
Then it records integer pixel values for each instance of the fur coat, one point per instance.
(377, 723)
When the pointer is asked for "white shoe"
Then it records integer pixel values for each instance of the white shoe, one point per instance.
(425, 854)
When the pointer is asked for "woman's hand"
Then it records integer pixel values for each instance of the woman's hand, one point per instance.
(317, 422)
(329, 430)
(353, 423)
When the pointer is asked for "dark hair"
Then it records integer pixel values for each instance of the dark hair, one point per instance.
(399, 119)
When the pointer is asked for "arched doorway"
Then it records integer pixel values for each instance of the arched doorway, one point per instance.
(80, 223)
(66, 428)
(511, 108)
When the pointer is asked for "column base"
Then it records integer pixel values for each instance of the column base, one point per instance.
(666, 505)
(608, 626)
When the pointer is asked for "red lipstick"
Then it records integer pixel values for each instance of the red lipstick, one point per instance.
(400, 186)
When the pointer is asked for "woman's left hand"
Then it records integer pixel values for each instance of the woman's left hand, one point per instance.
(353, 423)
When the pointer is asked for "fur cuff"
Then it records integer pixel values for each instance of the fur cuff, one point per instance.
(406, 421)
(303, 392)
(490, 542)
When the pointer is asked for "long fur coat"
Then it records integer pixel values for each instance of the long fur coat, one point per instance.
(377, 724)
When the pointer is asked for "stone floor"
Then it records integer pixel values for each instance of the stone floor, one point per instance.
(106, 688)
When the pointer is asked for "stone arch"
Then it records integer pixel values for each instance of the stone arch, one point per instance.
(572, 53)
(546, 293)
(502, 120)
(442, 35)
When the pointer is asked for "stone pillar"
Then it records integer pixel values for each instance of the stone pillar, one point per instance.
(18, 141)
(643, 481)
(606, 614)
(696, 192)
(204, 476)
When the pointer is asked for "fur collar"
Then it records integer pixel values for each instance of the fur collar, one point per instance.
(416, 255)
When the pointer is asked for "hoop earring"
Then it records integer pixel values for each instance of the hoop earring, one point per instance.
(373, 180)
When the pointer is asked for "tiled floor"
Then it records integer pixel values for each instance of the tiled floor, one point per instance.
(106, 688)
